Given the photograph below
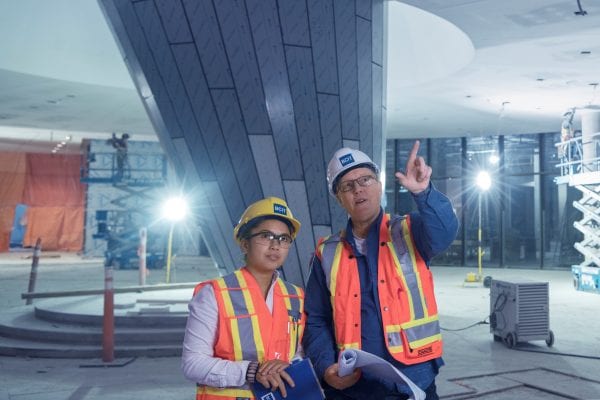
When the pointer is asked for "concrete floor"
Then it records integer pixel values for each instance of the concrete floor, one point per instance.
(476, 366)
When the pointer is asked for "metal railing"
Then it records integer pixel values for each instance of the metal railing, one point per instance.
(143, 169)
(571, 156)
(90, 292)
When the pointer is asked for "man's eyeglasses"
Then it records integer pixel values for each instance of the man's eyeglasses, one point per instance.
(350, 184)
(266, 238)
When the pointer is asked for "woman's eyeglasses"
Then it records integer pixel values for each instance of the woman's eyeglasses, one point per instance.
(267, 237)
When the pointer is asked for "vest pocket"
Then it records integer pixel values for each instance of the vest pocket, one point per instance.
(421, 339)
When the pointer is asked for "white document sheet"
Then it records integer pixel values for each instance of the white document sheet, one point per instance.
(352, 358)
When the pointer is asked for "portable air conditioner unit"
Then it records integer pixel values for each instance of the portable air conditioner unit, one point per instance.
(519, 312)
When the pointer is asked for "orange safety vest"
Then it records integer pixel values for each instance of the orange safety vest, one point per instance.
(248, 330)
(405, 287)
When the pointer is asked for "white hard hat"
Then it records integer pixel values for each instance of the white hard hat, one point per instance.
(343, 160)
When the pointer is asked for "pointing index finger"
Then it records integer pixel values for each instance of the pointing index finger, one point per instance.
(413, 152)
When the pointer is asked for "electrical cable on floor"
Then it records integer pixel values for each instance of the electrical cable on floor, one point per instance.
(483, 322)
(498, 306)
(556, 353)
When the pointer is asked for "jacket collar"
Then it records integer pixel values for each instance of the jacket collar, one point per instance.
(373, 234)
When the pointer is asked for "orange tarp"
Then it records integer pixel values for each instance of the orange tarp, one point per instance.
(12, 183)
(50, 187)
(53, 180)
(7, 215)
(55, 197)
(60, 228)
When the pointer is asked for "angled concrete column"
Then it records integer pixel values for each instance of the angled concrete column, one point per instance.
(251, 98)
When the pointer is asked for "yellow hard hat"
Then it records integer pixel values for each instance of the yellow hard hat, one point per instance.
(268, 207)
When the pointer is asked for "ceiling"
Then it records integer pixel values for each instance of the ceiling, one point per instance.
(62, 75)
(455, 68)
(512, 66)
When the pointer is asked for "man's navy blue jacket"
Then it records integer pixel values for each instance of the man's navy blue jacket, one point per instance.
(434, 227)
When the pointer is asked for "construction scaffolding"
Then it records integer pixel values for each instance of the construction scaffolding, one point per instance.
(580, 168)
(129, 201)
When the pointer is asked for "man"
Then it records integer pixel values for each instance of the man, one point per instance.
(120, 146)
(566, 134)
(370, 286)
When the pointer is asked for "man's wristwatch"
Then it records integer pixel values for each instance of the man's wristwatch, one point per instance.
(251, 371)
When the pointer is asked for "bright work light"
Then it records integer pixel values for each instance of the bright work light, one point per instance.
(484, 180)
(175, 209)
(484, 183)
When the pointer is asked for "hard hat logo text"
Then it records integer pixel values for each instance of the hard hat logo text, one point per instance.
(346, 159)
(279, 209)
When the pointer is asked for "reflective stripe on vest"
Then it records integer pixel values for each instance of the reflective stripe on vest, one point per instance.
(401, 248)
(407, 301)
(294, 303)
(423, 327)
(238, 303)
(210, 393)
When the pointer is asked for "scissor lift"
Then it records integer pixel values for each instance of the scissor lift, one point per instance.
(119, 226)
(583, 173)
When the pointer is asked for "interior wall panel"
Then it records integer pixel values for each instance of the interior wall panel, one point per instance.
(250, 98)
(263, 150)
(365, 84)
(209, 42)
(239, 47)
(322, 37)
(295, 192)
(347, 58)
(207, 223)
(271, 60)
(294, 22)
(306, 106)
(378, 115)
(143, 67)
(169, 71)
(377, 32)
(213, 199)
(174, 21)
(247, 182)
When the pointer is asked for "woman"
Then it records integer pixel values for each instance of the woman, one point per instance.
(246, 326)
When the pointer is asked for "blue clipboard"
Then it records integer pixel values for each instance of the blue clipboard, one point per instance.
(306, 387)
